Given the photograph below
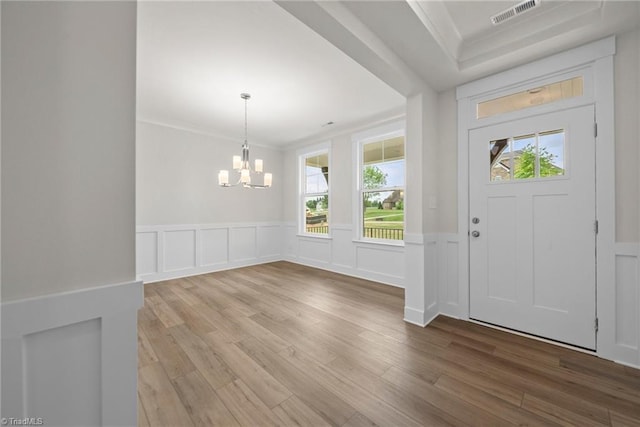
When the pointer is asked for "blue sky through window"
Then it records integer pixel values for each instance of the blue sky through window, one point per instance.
(554, 144)
(394, 170)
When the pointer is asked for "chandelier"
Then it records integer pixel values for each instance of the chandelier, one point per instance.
(242, 165)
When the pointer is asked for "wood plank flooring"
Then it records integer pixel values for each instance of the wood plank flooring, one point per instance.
(284, 344)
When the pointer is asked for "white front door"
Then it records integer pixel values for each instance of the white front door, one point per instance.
(532, 220)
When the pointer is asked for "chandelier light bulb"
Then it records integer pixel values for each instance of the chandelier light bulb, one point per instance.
(237, 162)
(223, 177)
(245, 176)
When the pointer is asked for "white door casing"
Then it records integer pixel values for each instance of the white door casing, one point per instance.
(533, 265)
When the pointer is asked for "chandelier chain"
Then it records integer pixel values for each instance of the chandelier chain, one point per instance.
(246, 132)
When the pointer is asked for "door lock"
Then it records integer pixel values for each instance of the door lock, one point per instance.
(475, 220)
(475, 233)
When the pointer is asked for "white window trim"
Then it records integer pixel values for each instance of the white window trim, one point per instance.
(302, 154)
(390, 130)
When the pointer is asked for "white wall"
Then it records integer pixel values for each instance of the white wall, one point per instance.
(68, 92)
(342, 180)
(339, 252)
(625, 342)
(186, 223)
(290, 190)
(0, 162)
(430, 162)
(69, 300)
(430, 256)
(177, 179)
(627, 113)
(447, 167)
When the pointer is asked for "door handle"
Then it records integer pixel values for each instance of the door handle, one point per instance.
(475, 233)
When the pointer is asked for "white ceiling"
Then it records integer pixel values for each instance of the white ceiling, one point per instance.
(308, 62)
(195, 58)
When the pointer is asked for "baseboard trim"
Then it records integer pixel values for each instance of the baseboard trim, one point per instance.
(431, 313)
(188, 272)
(396, 282)
(415, 317)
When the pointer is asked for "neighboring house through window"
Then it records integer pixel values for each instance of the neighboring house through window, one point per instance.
(314, 191)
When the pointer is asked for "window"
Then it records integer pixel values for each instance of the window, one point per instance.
(539, 155)
(532, 97)
(381, 186)
(314, 199)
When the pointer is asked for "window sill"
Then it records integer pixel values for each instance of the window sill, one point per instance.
(314, 236)
(396, 244)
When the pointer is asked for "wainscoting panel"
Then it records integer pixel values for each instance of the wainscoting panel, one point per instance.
(242, 243)
(269, 241)
(625, 339)
(626, 298)
(215, 246)
(71, 358)
(290, 241)
(341, 254)
(385, 262)
(414, 301)
(449, 292)
(147, 252)
(49, 357)
(190, 249)
(431, 276)
(179, 250)
(316, 251)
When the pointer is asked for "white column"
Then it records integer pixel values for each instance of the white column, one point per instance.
(421, 218)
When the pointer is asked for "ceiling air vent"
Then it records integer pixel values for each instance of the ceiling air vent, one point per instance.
(514, 11)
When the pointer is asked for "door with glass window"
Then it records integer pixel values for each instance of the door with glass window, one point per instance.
(533, 226)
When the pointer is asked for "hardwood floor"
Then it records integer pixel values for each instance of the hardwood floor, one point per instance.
(283, 344)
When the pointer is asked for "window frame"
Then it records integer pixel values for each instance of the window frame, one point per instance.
(566, 170)
(392, 130)
(303, 154)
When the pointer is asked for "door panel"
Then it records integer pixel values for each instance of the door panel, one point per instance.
(501, 268)
(532, 189)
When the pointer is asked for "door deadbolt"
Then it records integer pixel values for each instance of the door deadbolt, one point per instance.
(475, 220)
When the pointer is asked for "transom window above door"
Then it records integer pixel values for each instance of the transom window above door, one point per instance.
(524, 157)
(532, 97)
